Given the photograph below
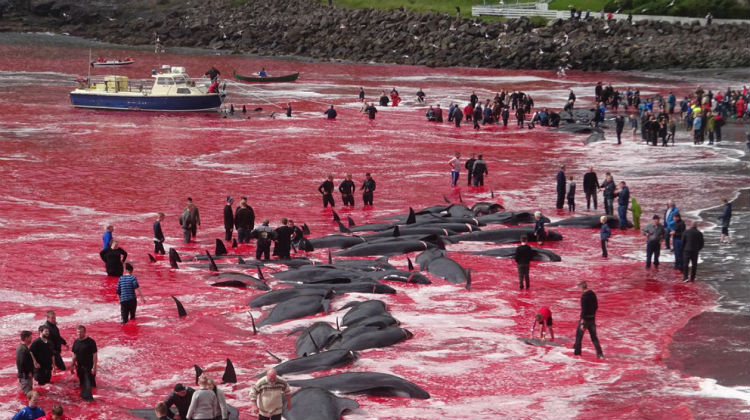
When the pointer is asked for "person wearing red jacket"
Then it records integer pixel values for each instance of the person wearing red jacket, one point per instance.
(544, 317)
(55, 414)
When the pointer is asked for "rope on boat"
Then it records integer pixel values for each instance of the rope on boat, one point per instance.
(249, 91)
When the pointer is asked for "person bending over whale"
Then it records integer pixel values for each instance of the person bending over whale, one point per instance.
(544, 318)
(114, 257)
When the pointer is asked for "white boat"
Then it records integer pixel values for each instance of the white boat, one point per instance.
(171, 90)
(104, 63)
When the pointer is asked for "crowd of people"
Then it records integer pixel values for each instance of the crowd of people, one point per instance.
(38, 359)
(347, 189)
(703, 113)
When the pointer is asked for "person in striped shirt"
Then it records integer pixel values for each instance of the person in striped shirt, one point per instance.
(126, 288)
(267, 395)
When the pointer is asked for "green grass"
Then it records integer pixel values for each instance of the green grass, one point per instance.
(419, 6)
(593, 5)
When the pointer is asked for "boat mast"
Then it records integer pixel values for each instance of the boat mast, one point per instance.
(88, 78)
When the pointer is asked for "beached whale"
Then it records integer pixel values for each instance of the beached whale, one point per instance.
(336, 241)
(370, 383)
(298, 307)
(280, 295)
(362, 310)
(503, 236)
(317, 404)
(370, 338)
(314, 338)
(315, 362)
(591, 221)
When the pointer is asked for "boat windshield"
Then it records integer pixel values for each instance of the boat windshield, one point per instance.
(180, 80)
(164, 81)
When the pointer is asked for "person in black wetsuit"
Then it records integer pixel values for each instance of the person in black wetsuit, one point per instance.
(368, 186)
(114, 257)
(55, 339)
(587, 321)
(283, 240)
(523, 257)
(326, 190)
(288, 109)
(228, 219)
(346, 188)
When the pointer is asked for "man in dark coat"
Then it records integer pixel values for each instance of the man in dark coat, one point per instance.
(283, 240)
(477, 116)
(692, 243)
(523, 257)
(469, 165)
(244, 219)
(587, 321)
(479, 171)
(590, 187)
(560, 187)
(55, 339)
(619, 126)
(228, 219)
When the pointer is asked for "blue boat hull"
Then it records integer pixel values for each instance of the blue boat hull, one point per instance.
(147, 103)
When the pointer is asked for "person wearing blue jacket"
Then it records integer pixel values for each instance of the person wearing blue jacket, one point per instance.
(31, 411)
(107, 237)
(669, 221)
(623, 199)
(725, 217)
(604, 235)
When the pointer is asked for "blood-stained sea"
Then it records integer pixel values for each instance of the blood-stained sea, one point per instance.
(66, 173)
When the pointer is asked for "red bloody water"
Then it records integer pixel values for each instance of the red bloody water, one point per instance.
(66, 173)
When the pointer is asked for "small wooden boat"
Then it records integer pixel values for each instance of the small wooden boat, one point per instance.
(103, 63)
(257, 79)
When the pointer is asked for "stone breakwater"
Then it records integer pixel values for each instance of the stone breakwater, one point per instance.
(306, 28)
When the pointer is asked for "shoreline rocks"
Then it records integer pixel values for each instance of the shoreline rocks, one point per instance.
(308, 28)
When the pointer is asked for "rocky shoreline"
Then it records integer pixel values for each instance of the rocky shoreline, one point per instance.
(308, 28)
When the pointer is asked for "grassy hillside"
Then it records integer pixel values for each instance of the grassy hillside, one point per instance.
(736, 9)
